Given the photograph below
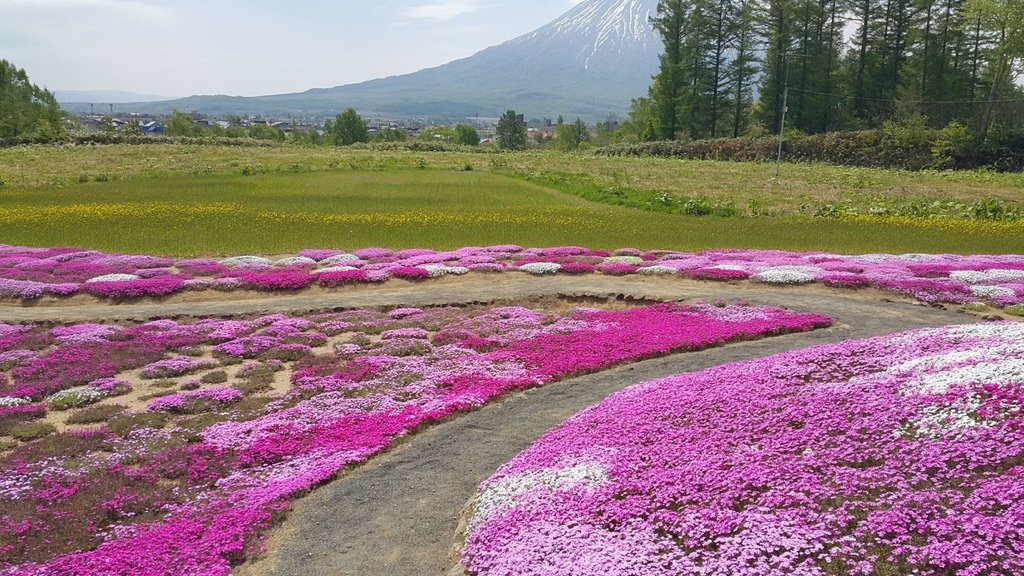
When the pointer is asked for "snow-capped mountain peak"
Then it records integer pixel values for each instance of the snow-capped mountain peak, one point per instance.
(600, 29)
(590, 62)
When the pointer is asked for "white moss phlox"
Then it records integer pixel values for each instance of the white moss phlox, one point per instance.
(113, 278)
(504, 495)
(296, 261)
(238, 261)
(788, 274)
(634, 260)
(541, 268)
(339, 259)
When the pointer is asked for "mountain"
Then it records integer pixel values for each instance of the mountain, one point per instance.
(590, 62)
(105, 96)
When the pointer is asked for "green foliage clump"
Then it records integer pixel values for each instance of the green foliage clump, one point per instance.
(26, 110)
(903, 145)
(182, 125)
(349, 128)
(124, 424)
(96, 414)
(31, 431)
(571, 136)
(390, 135)
(1016, 310)
(952, 147)
(511, 132)
(215, 377)
(264, 132)
(466, 135)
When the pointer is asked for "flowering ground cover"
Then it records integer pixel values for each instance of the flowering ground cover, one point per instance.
(169, 448)
(896, 455)
(30, 273)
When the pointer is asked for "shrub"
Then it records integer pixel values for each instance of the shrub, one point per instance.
(6, 444)
(125, 424)
(96, 414)
(908, 145)
(13, 416)
(1016, 310)
(215, 377)
(254, 385)
(952, 147)
(32, 431)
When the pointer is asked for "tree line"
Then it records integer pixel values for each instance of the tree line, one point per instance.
(26, 108)
(848, 65)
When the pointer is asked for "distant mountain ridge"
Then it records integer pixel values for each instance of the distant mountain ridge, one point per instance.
(105, 97)
(590, 62)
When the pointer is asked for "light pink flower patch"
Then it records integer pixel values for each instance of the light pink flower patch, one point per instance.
(844, 459)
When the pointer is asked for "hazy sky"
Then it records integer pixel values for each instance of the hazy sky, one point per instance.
(250, 47)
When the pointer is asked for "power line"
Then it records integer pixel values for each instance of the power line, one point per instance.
(1005, 101)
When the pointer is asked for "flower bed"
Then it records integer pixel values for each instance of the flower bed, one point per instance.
(898, 455)
(30, 273)
(188, 484)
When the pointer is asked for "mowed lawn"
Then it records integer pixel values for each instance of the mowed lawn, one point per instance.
(283, 212)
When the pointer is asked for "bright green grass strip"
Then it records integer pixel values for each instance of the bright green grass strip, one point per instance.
(281, 213)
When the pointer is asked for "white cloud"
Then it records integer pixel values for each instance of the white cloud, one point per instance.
(440, 11)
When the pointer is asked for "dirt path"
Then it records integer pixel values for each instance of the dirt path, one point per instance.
(475, 288)
(399, 514)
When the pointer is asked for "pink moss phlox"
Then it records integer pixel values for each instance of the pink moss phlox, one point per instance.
(247, 347)
(342, 278)
(178, 402)
(151, 287)
(409, 273)
(283, 279)
(615, 269)
(844, 280)
(896, 451)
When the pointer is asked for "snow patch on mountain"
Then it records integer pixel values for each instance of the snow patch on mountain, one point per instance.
(600, 29)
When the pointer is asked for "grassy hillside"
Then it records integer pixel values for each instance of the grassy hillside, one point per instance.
(152, 204)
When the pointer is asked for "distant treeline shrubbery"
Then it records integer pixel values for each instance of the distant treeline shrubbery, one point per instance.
(424, 146)
(103, 138)
(914, 147)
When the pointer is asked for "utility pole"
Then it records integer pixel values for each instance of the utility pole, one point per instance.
(785, 108)
(782, 126)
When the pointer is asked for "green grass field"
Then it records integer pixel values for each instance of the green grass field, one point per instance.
(195, 201)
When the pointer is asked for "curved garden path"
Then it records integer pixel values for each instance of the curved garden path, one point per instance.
(475, 288)
(400, 513)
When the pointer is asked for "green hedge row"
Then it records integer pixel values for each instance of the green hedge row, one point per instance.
(900, 148)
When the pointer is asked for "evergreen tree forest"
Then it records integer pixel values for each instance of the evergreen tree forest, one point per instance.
(849, 65)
